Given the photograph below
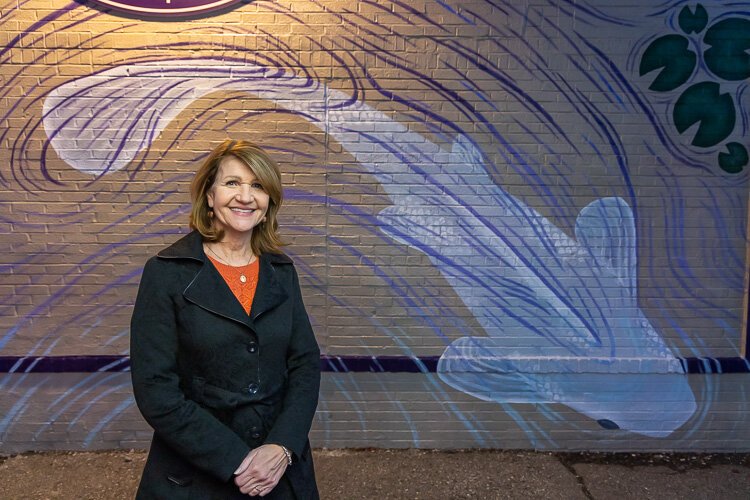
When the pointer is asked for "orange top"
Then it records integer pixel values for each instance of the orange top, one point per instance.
(244, 291)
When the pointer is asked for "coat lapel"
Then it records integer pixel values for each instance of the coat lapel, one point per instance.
(269, 293)
(209, 290)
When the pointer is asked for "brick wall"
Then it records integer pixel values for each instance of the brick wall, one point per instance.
(517, 189)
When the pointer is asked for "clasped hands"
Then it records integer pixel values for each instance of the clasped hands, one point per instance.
(261, 470)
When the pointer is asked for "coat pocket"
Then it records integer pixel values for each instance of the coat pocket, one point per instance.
(165, 475)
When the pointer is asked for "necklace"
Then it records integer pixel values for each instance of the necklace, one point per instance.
(243, 269)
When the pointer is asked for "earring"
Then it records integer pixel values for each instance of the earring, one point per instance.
(210, 214)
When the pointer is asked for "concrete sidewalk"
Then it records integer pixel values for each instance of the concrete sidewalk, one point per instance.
(520, 474)
(419, 474)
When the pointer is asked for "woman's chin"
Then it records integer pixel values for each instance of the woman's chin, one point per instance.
(238, 231)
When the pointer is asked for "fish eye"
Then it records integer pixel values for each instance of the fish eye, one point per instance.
(607, 424)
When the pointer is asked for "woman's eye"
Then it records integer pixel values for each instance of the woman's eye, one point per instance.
(231, 183)
(257, 185)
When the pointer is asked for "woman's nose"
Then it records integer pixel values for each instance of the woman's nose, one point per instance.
(245, 193)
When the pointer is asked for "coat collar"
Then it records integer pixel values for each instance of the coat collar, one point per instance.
(209, 291)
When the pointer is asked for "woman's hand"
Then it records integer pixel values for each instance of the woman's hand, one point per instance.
(260, 471)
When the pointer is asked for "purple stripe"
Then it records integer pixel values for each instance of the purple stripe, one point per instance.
(339, 364)
(63, 364)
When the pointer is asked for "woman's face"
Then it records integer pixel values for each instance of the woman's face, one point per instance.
(237, 198)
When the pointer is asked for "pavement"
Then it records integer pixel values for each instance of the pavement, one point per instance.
(523, 474)
(419, 474)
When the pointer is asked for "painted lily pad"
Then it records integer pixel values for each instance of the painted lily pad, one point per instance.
(693, 22)
(671, 54)
(729, 42)
(705, 104)
(735, 159)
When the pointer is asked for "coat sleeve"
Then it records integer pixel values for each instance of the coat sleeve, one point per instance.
(303, 364)
(190, 430)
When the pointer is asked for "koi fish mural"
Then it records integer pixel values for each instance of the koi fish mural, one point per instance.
(524, 220)
(553, 307)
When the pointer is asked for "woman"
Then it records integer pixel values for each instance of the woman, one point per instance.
(224, 361)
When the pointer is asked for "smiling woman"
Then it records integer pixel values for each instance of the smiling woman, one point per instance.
(224, 361)
(237, 199)
(237, 190)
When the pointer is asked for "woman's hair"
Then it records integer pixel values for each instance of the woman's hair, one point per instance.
(265, 235)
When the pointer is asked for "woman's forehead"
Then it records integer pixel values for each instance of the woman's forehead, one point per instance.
(234, 167)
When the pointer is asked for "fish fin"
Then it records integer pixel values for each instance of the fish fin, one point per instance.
(606, 228)
(475, 366)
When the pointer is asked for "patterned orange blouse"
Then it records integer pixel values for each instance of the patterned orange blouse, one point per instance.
(232, 275)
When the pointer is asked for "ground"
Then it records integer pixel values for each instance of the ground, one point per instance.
(396, 474)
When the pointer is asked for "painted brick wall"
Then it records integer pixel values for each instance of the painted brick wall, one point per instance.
(549, 198)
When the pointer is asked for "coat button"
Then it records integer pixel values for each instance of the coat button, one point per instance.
(255, 435)
(252, 388)
(252, 347)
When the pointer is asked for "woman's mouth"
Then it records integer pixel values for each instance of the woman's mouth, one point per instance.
(243, 211)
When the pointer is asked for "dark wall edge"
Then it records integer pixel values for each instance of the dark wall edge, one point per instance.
(338, 364)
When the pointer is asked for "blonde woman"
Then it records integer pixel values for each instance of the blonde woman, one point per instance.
(224, 361)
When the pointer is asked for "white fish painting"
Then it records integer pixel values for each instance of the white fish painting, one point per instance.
(560, 312)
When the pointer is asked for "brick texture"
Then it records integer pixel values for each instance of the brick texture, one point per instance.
(492, 181)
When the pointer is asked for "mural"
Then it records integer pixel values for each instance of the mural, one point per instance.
(543, 298)
(557, 214)
(724, 58)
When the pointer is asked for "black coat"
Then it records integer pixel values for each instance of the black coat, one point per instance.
(215, 383)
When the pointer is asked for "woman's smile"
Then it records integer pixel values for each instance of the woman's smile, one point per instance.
(237, 198)
(243, 211)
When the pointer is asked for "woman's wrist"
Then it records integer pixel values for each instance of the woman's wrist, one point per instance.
(287, 454)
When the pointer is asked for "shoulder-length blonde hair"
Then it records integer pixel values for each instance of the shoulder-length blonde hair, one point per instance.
(265, 236)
